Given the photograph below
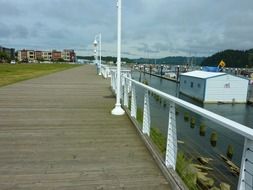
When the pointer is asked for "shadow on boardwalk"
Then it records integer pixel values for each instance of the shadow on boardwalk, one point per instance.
(56, 132)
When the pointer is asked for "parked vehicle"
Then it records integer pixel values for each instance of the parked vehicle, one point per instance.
(13, 62)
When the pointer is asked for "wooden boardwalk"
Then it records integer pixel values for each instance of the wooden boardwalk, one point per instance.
(56, 132)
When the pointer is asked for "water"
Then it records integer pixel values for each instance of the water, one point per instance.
(196, 145)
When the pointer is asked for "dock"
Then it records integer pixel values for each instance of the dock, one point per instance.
(250, 94)
(159, 76)
(57, 132)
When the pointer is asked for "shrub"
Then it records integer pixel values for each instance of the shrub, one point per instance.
(202, 129)
(192, 122)
(230, 151)
(213, 139)
(186, 116)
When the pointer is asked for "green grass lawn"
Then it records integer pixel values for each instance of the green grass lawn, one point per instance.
(13, 73)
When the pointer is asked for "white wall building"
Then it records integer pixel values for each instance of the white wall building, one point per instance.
(65, 55)
(47, 55)
(212, 87)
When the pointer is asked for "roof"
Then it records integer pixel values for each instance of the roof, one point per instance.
(203, 74)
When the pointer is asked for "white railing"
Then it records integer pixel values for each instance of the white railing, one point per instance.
(125, 73)
(129, 87)
(106, 70)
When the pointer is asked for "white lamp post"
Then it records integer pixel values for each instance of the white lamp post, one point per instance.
(98, 39)
(117, 109)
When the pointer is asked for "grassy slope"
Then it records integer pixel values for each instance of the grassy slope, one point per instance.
(13, 73)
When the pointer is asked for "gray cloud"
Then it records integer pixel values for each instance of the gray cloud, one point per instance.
(4, 30)
(15, 32)
(9, 9)
(161, 27)
(20, 31)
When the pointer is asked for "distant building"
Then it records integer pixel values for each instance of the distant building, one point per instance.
(32, 56)
(26, 55)
(47, 55)
(72, 56)
(9, 51)
(38, 55)
(56, 55)
(22, 55)
(69, 55)
(65, 55)
(213, 87)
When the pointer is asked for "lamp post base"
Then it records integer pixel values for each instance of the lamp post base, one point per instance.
(118, 110)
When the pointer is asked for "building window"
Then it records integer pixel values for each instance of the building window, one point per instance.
(199, 85)
(191, 84)
(185, 81)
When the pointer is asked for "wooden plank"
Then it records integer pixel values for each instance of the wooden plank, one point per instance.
(56, 132)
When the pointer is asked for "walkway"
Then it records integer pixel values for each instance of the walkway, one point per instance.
(56, 132)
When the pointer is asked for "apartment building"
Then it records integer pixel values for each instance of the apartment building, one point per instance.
(38, 55)
(47, 55)
(65, 55)
(22, 55)
(56, 55)
(72, 55)
(68, 55)
(32, 56)
(26, 55)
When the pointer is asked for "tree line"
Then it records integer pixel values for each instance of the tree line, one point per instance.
(4, 57)
(232, 58)
(107, 59)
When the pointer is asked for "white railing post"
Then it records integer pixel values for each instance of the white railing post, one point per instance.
(121, 89)
(111, 82)
(246, 172)
(126, 93)
(171, 148)
(103, 69)
(114, 82)
(146, 115)
(133, 102)
(107, 71)
(129, 86)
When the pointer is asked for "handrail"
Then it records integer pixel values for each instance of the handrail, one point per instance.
(230, 124)
(129, 85)
(106, 70)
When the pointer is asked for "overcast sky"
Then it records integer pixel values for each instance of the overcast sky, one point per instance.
(151, 28)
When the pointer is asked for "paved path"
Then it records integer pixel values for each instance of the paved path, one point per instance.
(56, 132)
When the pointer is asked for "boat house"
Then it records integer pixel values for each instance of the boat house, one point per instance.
(213, 87)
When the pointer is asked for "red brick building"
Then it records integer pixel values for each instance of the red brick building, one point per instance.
(56, 55)
(38, 55)
(23, 54)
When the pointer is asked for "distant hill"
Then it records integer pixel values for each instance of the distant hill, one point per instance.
(232, 58)
(175, 60)
(108, 58)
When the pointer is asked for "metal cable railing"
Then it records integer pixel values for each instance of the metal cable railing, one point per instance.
(129, 87)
